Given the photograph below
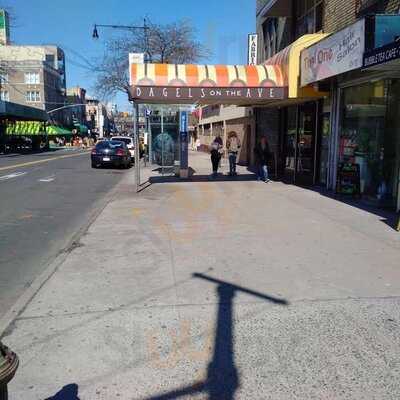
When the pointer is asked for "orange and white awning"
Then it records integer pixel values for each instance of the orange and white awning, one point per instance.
(229, 84)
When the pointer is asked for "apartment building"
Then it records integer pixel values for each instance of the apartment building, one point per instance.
(338, 60)
(34, 76)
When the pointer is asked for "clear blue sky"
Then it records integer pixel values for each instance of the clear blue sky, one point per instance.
(222, 25)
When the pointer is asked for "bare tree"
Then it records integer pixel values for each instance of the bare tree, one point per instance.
(171, 43)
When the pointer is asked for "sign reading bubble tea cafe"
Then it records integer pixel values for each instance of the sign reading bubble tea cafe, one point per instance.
(338, 53)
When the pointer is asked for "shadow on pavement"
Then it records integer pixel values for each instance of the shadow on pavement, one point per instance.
(223, 378)
(203, 178)
(387, 215)
(68, 392)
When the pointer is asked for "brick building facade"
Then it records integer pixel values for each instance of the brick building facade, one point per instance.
(349, 115)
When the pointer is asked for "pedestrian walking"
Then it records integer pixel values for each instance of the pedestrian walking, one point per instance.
(262, 157)
(198, 144)
(215, 151)
(232, 146)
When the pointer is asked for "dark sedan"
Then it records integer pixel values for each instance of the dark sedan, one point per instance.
(111, 152)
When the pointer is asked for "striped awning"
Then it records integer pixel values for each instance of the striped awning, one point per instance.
(233, 84)
(288, 60)
(206, 75)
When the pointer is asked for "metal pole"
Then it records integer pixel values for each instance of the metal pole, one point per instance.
(149, 141)
(136, 136)
(162, 140)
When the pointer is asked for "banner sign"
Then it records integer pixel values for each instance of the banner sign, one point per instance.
(338, 53)
(252, 49)
(382, 55)
(189, 95)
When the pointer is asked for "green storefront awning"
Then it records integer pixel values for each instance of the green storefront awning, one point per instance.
(81, 128)
(54, 130)
(25, 128)
(35, 128)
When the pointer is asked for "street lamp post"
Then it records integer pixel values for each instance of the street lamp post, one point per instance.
(145, 28)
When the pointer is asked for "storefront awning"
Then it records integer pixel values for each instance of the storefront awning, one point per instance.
(34, 128)
(81, 128)
(288, 60)
(54, 130)
(206, 84)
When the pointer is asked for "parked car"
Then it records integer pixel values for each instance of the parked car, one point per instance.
(111, 152)
(129, 142)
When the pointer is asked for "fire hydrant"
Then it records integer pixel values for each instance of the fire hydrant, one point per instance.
(8, 366)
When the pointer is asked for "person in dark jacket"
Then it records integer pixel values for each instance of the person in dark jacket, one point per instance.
(262, 154)
(215, 150)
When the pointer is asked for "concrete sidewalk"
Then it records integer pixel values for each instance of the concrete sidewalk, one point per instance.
(226, 289)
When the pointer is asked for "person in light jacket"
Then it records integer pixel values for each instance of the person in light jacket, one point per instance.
(232, 146)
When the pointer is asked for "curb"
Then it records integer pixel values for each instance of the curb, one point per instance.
(7, 320)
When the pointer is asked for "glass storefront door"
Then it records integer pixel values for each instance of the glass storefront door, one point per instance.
(290, 140)
(299, 143)
(306, 144)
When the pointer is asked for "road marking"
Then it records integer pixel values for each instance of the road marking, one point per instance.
(11, 176)
(48, 179)
(42, 161)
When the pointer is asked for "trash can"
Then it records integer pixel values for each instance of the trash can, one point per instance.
(8, 366)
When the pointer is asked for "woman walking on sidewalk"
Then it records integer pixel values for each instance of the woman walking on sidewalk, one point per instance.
(215, 151)
(262, 157)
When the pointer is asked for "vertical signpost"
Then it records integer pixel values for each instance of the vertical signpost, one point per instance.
(183, 136)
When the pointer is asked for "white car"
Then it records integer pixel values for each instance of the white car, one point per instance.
(129, 142)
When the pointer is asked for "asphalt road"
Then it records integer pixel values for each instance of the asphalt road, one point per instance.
(45, 199)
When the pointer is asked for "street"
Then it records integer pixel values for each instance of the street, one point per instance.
(45, 199)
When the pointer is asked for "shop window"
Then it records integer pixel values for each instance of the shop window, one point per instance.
(369, 137)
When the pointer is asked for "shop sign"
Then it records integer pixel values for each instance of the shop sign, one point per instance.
(252, 49)
(204, 94)
(339, 53)
(382, 54)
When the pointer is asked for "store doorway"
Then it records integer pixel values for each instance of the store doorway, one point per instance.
(300, 143)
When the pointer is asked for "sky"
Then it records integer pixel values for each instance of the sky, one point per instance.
(221, 25)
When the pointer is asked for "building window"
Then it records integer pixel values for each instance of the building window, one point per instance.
(32, 78)
(277, 35)
(3, 77)
(33, 96)
(4, 95)
(309, 16)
